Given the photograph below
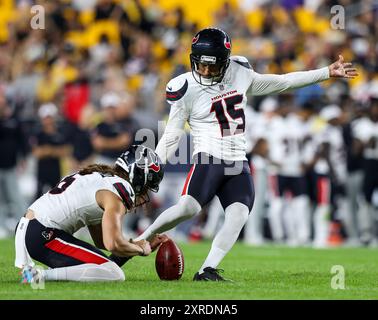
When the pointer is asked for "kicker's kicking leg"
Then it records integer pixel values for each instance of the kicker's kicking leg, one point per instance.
(186, 208)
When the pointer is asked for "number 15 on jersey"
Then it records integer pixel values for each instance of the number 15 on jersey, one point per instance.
(228, 104)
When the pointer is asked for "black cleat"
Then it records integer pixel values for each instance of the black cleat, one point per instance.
(209, 274)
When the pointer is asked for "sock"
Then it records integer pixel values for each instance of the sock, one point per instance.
(88, 272)
(186, 208)
(236, 216)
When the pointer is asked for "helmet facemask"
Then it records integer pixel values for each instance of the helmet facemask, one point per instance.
(142, 198)
(195, 60)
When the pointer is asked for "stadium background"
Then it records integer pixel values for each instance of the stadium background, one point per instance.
(93, 54)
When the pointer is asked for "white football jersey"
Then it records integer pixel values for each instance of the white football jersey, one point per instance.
(334, 136)
(72, 204)
(286, 144)
(216, 114)
(367, 131)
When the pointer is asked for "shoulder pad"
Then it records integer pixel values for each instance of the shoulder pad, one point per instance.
(243, 61)
(126, 193)
(176, 88)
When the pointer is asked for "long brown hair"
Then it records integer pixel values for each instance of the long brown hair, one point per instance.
(105, 169)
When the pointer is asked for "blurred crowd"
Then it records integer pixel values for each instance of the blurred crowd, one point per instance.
(77, 91)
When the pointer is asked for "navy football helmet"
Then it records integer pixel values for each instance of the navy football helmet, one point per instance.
(210, 46)
(144, 167)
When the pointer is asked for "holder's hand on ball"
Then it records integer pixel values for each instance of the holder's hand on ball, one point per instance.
(145, 245)
(157, 240)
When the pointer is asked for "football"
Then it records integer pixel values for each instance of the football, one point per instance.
(169, 261)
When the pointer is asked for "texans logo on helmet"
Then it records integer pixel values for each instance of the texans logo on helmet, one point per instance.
(152, 161)
(195, 39)
(154, 167)
(227, 44)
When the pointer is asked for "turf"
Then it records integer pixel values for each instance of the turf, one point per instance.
(268, 272)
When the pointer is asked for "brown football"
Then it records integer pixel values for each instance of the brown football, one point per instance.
(169, 261)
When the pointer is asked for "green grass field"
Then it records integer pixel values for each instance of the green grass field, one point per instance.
(259, 273)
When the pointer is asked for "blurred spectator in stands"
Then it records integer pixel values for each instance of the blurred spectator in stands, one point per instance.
(126, 36)
(180, 24)
(72, 68)
(13, 148)
(50, 147)
(56, 19)
(23, 89)
(76, 96)
(108, 9)
(169, 30)
(47, 88)
(110, 137)
(100, 52)
(291, 4)
(147, 18)
(5, 61)
(148, 102)
(80, 139)
(83, 5)
(141, 55)
(125, 115)
(109, 76)
(226, 18)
